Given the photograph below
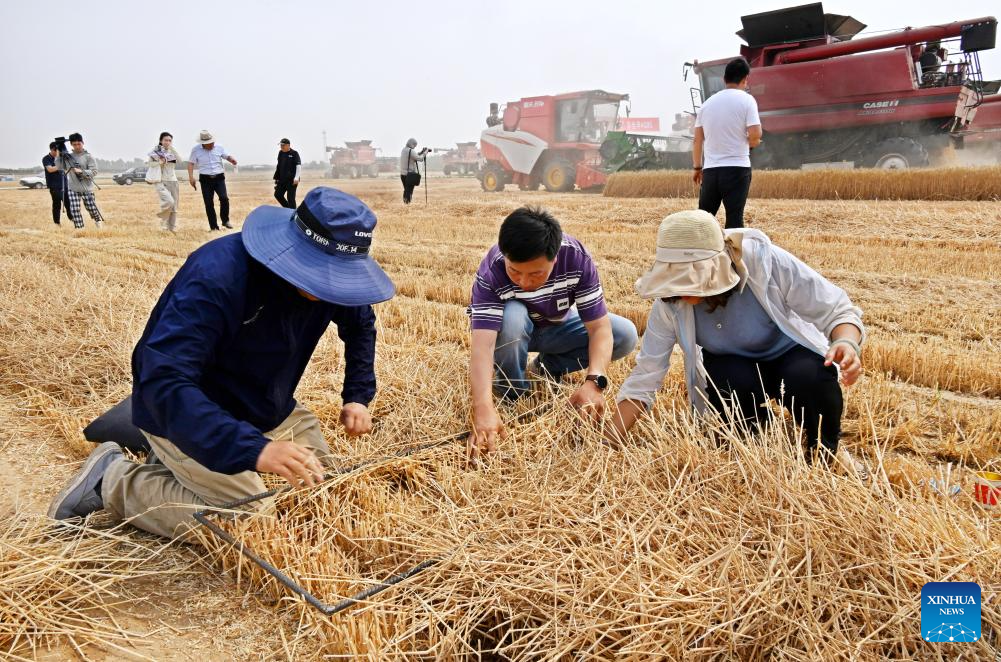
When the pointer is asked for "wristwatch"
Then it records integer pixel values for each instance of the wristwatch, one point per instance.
(599, 380)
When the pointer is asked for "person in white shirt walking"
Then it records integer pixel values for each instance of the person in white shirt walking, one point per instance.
(165, 156)
(726, 128)
(208, 158)
(753, 322)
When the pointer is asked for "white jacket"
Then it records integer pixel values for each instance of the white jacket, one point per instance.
(802, 303)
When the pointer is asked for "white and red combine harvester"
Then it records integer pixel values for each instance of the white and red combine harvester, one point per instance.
(549, 140)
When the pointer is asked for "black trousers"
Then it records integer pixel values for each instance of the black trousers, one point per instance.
(58, 200)
(798, 379)
(408, 190)
(285, 193)
(728, 185)
(215, 185)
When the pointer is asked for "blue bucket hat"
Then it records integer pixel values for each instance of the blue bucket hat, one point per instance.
(322, 247)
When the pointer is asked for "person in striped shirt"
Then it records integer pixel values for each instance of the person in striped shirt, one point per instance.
(537, 290)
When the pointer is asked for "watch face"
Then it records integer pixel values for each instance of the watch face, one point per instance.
(599, 380)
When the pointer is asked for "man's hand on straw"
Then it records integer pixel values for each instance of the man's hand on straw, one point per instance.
(356, 419)
(294, 463)
(487, 430)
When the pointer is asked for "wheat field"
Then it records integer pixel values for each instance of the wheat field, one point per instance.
(688, 544)
(950, 183)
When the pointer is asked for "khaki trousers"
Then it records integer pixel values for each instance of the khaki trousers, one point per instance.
(169, 197)
(161, 497)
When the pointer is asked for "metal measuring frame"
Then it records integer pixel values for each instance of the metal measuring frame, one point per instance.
(202, 517)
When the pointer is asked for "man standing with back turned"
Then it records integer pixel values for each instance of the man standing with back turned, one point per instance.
(208, 158)
(287, 174)
(727, 126)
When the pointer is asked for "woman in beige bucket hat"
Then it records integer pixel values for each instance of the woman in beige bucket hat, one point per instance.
(752, 320)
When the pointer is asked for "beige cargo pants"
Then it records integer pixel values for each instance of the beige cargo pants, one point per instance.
(161, 498)
(169, 195)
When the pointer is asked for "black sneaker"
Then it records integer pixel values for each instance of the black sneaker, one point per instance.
(80, 498)
(227, 226)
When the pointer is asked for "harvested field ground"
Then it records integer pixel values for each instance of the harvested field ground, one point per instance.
(676, 547)
(981, 183)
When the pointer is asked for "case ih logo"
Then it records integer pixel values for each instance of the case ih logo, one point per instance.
(534, 104)
(879, 107)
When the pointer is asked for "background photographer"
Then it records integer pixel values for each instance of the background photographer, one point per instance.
(80, 168)
(410, 174)
(56, 181)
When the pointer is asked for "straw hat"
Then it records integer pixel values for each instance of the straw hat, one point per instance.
(693, 259)
(205, 138)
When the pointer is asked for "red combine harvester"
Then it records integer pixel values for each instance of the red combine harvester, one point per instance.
(356, 160)
(889, 101)
(462, 161)
(549, 140)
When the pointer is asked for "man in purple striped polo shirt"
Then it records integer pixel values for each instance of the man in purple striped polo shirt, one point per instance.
(538, 290)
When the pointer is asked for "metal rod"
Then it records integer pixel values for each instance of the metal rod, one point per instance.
(245, 551)
(330, 610)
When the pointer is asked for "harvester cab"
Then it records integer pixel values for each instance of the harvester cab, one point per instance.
(549, 140)
(894, 100)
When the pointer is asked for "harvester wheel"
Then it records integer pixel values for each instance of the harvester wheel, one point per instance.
(898, 154)
(373, 170)
(447, 170)
(493, 179)
(462, 170)
(353, 172)
(335, 173)
(558, 176)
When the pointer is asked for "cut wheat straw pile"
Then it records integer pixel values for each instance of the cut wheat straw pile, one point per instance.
(687, 545)
(982, 183)
(65, 584)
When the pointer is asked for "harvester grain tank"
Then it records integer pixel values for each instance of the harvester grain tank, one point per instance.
(549, 140)
(893, 100)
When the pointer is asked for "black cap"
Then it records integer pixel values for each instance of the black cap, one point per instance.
(284, 141)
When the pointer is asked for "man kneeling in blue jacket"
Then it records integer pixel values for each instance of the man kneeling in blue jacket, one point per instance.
(216, 368)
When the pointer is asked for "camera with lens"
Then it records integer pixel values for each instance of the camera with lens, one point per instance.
(61, 144)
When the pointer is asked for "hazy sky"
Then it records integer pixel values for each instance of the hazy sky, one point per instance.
(253, 72)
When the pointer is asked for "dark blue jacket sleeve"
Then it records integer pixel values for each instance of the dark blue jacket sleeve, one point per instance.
(198, 314)
(356, 327)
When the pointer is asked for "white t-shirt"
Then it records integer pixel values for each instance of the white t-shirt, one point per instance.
(724, 118)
